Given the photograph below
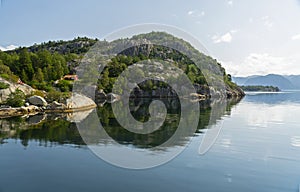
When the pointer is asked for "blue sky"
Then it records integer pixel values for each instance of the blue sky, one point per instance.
(248, 37)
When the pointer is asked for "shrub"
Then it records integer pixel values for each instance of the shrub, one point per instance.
(57, 96)
(4, 85)
(65, 85)
(41, 86)
(38, 93)
(11, 77)
(16, 99)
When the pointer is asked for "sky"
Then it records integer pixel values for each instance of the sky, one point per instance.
(249, 37)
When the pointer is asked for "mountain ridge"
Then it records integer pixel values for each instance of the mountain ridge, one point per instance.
(284, 82)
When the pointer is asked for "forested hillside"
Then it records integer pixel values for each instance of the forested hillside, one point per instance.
(41, 65)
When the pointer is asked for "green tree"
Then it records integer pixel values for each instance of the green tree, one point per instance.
(26, 65)
(4, 69)
(24, 76)
(39, 76)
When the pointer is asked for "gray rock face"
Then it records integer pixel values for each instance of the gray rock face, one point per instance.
(4, 93)
(78, 101)
(37, 101)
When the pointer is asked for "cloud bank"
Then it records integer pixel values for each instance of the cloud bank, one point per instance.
(7, 48)
(263, 64)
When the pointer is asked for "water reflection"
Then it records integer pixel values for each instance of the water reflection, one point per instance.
(273, 98)
(295, 141)
(60, 129)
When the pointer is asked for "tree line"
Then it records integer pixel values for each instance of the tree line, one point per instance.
(38, 69)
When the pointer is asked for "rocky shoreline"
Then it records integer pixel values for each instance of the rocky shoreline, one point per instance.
(37, 105)
(203, 92)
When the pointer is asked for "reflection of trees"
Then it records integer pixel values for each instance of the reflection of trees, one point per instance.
(56, 130)
(52, 131)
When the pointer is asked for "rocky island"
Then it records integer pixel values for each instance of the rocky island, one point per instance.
(40, 78)
(259, 88)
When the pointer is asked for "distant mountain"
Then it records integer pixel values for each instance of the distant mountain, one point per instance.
(295, 79)
(282, 82)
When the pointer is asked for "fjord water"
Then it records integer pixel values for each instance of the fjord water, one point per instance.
(258, 149)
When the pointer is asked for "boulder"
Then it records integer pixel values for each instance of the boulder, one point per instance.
(78, 101)
(37, 101)
(56, 105)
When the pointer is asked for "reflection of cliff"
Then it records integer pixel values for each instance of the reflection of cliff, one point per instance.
(210, 112)
(57, 130)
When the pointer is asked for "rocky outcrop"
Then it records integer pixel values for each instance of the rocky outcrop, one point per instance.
(4, 93)
(202, 92)
(37, 101)
(79, 102)
(76, 103)
(237, 92)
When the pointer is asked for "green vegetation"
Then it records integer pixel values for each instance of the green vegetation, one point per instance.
(3, 85)
(119, 63)
(57, 96)
(36, 69)
(65, 85)
(41, 65)
(260, 88)
(16, 99)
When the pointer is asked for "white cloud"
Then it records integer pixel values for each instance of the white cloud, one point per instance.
(263, 64)
(7, 48)
(296, 37)
(196, 13)
(230, 2)
(191, 12)
(267, 21)
(226, 38)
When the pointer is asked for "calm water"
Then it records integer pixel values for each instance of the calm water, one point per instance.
(258, 149)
